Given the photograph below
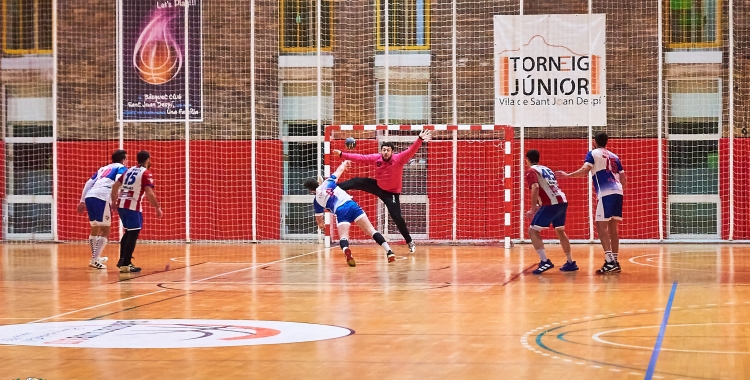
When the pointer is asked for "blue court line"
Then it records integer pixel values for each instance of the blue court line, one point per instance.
(660, 337)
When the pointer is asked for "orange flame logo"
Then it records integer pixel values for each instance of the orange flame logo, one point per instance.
(157, 55)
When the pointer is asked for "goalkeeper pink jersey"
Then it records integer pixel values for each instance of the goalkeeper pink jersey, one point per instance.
(388, 173)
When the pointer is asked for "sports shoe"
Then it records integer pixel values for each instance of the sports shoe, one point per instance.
(412, 247)
(569, 267)
(349, 258)
(97, 265)
(129, 269)
(613, 267)
(543, 267)
(391, 256)
(103, 259)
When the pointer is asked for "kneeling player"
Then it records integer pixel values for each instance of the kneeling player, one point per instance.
(548, 206)
(331, 197)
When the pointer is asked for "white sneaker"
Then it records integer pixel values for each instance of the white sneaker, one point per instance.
(412, 247)
(103, 259)
(97, 265)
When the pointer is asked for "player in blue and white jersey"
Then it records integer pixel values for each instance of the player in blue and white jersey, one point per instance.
(609, 181)
(328, 196)
(95, 199)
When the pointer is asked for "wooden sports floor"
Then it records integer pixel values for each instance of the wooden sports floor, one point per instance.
(445, 312)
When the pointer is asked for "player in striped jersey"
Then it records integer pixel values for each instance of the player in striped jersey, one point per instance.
(329, 196)
(609, 181)
(95, 200)
(548, 206)
(128, 193)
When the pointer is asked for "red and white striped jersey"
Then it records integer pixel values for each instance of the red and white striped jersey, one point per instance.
(549, 191)
(134, 183)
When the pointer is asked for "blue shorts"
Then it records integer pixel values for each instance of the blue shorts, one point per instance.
(348, 212)
(99, 212)
(609, 207)
(131, 219)
(551, 214)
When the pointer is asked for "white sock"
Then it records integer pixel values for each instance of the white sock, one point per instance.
(386, 247)
(541, 253)
(609, 257)
(102, 241)
(95, 255)
(92, 245)
(614, 255)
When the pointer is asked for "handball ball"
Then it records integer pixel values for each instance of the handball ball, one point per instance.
(350, 143)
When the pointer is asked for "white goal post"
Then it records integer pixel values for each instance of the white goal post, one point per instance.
(456, 188)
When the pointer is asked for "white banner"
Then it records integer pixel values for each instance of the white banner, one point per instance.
(550, 70)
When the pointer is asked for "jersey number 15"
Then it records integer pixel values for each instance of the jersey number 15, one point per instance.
(130, 178)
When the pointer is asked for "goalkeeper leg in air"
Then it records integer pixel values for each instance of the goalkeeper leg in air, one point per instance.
(389, 169)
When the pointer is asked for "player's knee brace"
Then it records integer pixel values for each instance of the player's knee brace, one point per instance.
(131, 235)
(378, 238)
(344, 243)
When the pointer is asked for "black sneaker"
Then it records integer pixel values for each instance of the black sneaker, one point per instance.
(613, 267)
(129, 269)
(391, 256)
(543, 267)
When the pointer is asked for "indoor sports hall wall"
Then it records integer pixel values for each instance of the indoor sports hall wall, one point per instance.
(219, 215)
(678, 114)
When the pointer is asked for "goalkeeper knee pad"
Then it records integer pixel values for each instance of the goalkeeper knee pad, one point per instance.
(378, 238)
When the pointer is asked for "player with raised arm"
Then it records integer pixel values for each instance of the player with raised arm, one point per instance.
(95, 200)
(129, 190)
(548, 206)
(389, 170)
(609, 181)
(330, 196)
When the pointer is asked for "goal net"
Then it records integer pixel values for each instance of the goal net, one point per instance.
(80, 80)
(456, 188)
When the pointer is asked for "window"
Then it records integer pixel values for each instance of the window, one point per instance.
(27, 26)
(693, 149)
(694, 23)
(28, 163)
(299, 25)
(28, 169)
(408, 24)
(693, 219)
(300, 163)
(302, 155)
(408, 102)
(298, 219)
(693, 167)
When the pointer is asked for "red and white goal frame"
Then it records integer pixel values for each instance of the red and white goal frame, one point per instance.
(506, 145)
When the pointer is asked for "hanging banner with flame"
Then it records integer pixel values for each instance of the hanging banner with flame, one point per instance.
(550, 70)
(155, 54)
